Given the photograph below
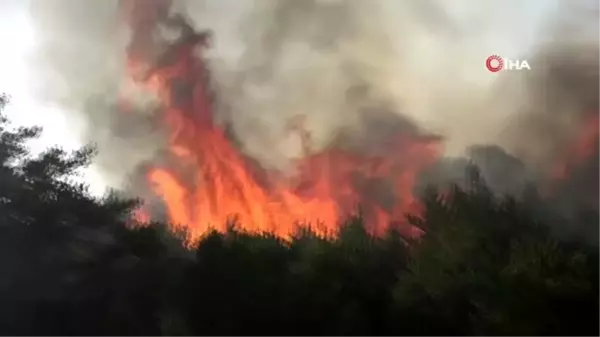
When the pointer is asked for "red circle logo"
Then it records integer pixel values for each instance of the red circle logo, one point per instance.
(489, 63)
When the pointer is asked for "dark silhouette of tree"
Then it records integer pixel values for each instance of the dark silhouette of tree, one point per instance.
(486, 266)
(73, 264)
(69, 263)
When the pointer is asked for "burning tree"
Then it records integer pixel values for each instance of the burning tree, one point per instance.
(206, 181)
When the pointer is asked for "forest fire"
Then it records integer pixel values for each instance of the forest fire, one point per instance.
(209, 182)
(584, 147)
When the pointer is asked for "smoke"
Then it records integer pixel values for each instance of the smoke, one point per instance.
(422, 59)
(331, 64)
(79, 67)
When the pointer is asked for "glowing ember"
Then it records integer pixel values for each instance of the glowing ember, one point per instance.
(208, 181)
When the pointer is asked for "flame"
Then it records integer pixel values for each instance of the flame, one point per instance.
(584, 147)
(208, 182)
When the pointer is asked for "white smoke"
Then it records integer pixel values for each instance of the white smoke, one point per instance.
(80, 67)
(426, 58)
(274, 60)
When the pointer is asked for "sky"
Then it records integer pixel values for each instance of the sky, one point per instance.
(16, 79)
(19, 41)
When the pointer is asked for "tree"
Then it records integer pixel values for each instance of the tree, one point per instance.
(72, 264)
(486, 266)
(61, 249)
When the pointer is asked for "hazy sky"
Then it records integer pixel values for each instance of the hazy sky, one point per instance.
(18, 41)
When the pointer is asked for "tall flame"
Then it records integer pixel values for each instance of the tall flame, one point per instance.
(208, 181)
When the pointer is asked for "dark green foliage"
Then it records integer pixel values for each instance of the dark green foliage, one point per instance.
(71, 265)
(487, 267)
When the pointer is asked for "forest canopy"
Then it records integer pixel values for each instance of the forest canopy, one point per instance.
(74, 265)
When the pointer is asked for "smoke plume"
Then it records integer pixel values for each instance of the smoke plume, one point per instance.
(277, 59)
(347, 71)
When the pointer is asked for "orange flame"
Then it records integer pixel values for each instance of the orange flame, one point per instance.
(209, 180)
(583, 148)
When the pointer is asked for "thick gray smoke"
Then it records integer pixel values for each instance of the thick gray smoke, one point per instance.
(80, 66)
(423, 58)
(328, 62)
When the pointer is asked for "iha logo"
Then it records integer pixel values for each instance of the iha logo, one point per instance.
(496, 63)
